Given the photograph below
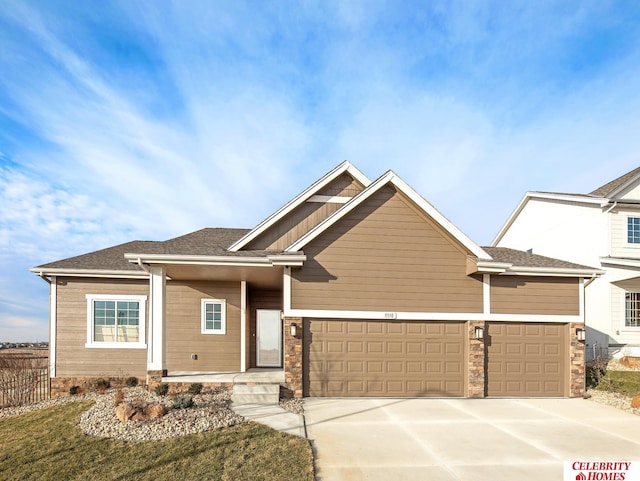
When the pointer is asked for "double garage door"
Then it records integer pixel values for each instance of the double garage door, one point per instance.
(427, 358)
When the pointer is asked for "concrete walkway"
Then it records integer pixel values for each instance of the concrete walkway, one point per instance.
(273, 416)
(464, 439)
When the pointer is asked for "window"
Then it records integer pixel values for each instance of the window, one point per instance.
(633, 230)
(214, 316)
(115, 321)
(632, 309)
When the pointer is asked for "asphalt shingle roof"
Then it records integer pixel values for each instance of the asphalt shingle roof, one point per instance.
(525, 259)
(209, 242)
(607, 189)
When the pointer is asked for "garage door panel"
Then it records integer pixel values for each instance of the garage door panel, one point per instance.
(385, 358)
(526, 359)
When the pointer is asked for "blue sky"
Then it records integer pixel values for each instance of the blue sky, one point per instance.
(147, 120)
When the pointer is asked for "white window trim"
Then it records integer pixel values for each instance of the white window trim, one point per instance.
(631, 244)
(223, 330)
(626, 328)
(141, 344)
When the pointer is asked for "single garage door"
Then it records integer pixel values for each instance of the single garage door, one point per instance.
(526, 359)
(384, 358)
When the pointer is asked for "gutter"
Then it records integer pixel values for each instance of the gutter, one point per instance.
(42, 276)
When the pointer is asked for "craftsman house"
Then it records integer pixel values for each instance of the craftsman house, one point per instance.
(601, 228)
(354, 288)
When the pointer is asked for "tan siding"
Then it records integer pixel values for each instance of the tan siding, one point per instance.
(529, 295)
(344, 185)
(305, 217)
(386, 256)
(183, 327)
(72, 357)
(260, 300)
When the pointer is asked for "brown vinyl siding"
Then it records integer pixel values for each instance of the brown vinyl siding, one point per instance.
(260, 300)
(216, 352)
(305, 217)
(534, 295)
(386, 255)
(72, 357)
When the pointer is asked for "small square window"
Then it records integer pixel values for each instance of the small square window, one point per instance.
(213, 316)
(633, 230)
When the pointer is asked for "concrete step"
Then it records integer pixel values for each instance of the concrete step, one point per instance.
(257, 394)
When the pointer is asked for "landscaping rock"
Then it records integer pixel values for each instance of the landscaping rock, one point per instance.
(125, 412)
(156, 411)
(630, 362)
(635, 402)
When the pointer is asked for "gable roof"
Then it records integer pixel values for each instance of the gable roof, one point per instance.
(610, 189)
(519, 259)
(389, 178)
(344, 167)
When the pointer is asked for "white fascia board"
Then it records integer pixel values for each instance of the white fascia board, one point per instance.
(389, 177)
(428, 316)
(287, 260)
(198, 260)
(595, 201)
(553, 272)
(623, 187)
(345, 166)
(616, 261)
(491, 267)
(329, 199)
(65, 272)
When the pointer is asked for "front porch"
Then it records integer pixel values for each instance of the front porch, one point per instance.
(252, 376)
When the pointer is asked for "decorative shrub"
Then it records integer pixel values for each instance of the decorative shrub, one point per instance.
(73, 390)
(131, 381)
(162, 389)
(182, 402)
(102, 385)
(195, 388)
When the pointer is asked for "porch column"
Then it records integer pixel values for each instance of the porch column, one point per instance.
(157, 304)
(243, 326)
(476, 366)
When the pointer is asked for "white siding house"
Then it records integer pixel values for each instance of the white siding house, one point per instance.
(600, 229)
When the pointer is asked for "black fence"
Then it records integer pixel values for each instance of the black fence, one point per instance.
(24, 379)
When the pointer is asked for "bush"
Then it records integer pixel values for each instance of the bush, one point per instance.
(195, 388)
(161, 389)
(131, 381)
(102, 385)
(182, 402)
(73, 390)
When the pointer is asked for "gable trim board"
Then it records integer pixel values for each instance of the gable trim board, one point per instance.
(345, 167)
(385, 259)
(389, 178)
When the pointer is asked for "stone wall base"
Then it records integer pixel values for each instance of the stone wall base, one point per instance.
(60, 386)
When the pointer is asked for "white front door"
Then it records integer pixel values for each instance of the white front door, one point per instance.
(268, 338)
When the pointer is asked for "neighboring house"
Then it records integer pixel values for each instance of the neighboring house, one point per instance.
(602, 229)
(354, 288)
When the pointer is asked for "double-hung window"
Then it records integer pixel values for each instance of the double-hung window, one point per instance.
(116, 321)
(632, 309)
(633, 230)
(214, 316)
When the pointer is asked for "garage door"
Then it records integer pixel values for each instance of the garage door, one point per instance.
(526, 359)
(384, 358)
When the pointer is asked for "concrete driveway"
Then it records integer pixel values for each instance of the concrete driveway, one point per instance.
(464, 439)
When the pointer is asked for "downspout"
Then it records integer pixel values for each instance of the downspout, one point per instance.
(613, 206)
(143, 266)
(44, 278)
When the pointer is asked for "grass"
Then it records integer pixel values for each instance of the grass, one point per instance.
(623, 382)
(47, 444)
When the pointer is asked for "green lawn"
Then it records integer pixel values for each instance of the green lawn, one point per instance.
(624, 382)
(47, 444)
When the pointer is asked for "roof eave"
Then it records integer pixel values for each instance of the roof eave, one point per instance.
(244, 261)
(554, 271)
(73, 272)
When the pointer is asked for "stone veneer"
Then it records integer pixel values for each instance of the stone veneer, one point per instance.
(476, 361)
(577, 359)
(293, 358)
